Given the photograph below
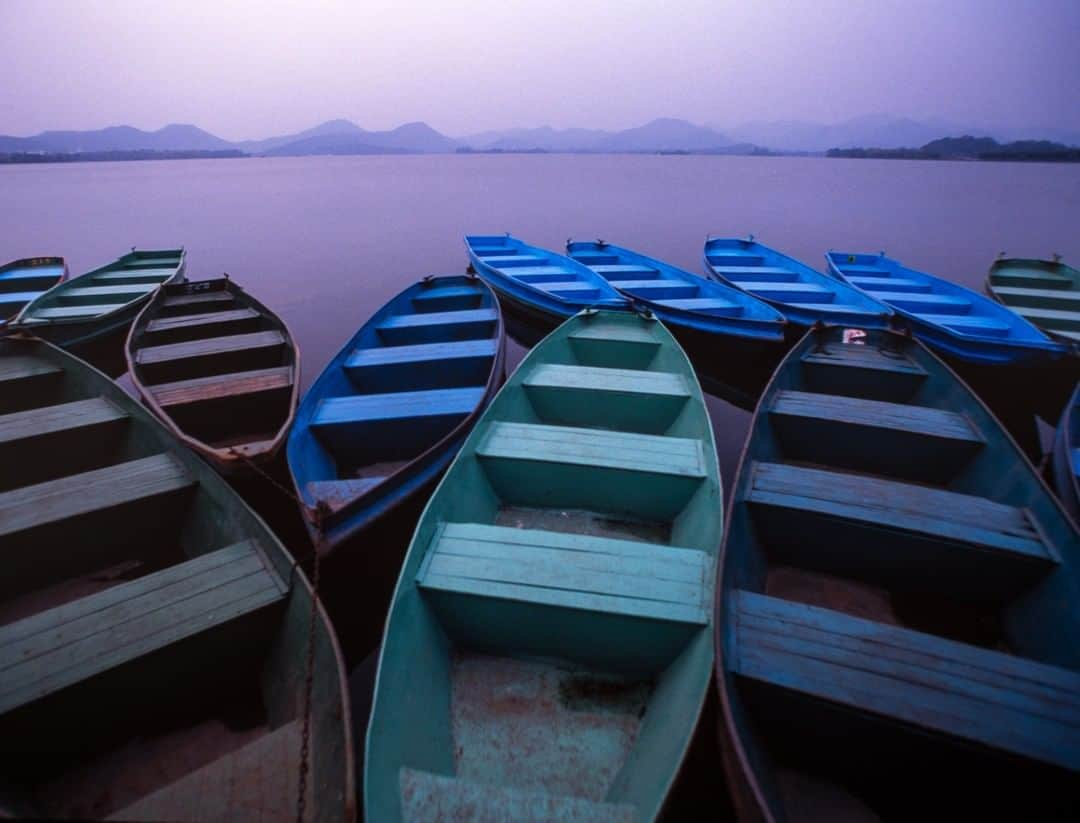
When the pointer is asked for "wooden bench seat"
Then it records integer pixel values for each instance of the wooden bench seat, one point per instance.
(731, 257)
(94, 294)
(628, 399)
(199, 301)
(428, 798)
(892, 532)
(716, 306)
(897, 439)
(930, 684)
(423, 366)
(613, 345)
(540, 274)
(592, 259)
(477, 571)
(1056, 319)
(624, 271)
(447, 298)
(75, 642)
(86, 310)
(156, 276)
(222, 386)
(506, 261)
(866, 271)
(27, 382)
(789, 292)
(862, 371)
(752, 273)
(437, 327)
(574, 288)
(1061, 297)
(550, 466)
(237, 318)
(659, 289)
(209, 347)
(17, 298)
(894, 284)
(968, 324)
(923, 303)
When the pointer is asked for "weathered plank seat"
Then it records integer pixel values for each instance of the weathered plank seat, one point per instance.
(67, 645)
(437, 327)
(1059, 296)
(574, 288)
(897, 439)
(623, 271)
(219, 387)
(540, 274)
(513, 260)
(789, 292)
(595, 258)
(94, 294)
(709, 305)
(436, 797)
(628, 399)
(660, 289)
(82, 310)
(447, 298)
(895, 284)
(722, 259)
(136, 275)
(27, 382)
(862, 371)
(488, 579)
(616, 345)
(876, 529)
(968, 324)
(349, 425)
(78, 522)
(933, 685)
(749, 272)
(1057, 319)
(646, 474)
(197, 302)
(923, 303)
(17, 297)
(207, 356)
(232, 319)
(426, 365)
(209, 347)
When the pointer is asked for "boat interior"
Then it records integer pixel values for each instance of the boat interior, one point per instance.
(544, 271)
(152, 632)
(764, 273)
(667, 287)
(899, 628)
(412, 375)
(26, 280)
(221, 366)
(930, 299)
(1043, 291)
(551, 629)
(109, 288)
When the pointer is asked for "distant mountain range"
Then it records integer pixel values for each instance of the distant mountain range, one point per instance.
(662, 135)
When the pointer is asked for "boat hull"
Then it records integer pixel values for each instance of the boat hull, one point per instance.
(1065, 460)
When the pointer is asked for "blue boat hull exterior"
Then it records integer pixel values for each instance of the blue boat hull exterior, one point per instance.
(1065, 460)
(805, 296)
(897, 610)
(389, 412)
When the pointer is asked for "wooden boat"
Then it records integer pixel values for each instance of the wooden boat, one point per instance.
(153, 631)
(1043, 292)
(549, 649)
(537, 288)
(733, 339)
(804, 295)
(1065, 461)
(102, 302)
(218, 368)
(389, 412)
(897, 612)
(951, 319)
(24, 280)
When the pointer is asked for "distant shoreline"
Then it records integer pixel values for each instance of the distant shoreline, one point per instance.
(31, 158)
(971, 148)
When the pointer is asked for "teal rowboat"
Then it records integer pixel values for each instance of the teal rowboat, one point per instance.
(899, 612)
(153, 631)
(1043, 292)
(548, 649)
(102, 302)
(24, 280)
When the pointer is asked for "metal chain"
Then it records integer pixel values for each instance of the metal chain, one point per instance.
(309, 675)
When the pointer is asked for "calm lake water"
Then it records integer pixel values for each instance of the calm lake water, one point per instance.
(326, 240)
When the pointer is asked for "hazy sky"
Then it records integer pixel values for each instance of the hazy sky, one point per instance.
(251, 68)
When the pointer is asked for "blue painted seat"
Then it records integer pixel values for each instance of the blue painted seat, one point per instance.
(513, 260)
(422, 366)
(734, 258)
(710, 305)
(923, 303)
(648, 401)
(620, 271)
(447, 298)
(865, 271)
(862, 371)
(606, 344)
(895, 284)
(437, 327)
(654, 476)
(750, 272)
(489, 582)
(17, 296)
(790, 292)
(930, 684)
(568, 286)
(968, 324)
(666, 289)
(341, 421)
(889, 531)
(537, 274)
(906, 441)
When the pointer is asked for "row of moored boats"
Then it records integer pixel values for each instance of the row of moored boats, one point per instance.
(889, 609)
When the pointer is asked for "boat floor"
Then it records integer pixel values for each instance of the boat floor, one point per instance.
(581, 521)
(542, 725)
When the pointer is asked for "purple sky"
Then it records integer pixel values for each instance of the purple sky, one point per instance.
(252, 68)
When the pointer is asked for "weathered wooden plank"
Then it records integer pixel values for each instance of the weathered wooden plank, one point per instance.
(209, 346)
(336, 411)
(130, 291)
(163, 324)
(87, 415)
(197, 299)
(421, 353)
(16, 368)
(863, 357)
(69, 497)
(623, 381)
(70, 312)
(216, 387)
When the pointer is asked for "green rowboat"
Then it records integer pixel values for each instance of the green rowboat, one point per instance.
(1045, 292)
(153, 631)
(548, 648)
(102, 302)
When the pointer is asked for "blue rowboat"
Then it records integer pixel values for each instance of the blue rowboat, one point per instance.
(549, 645)
(733, 339)
(538, 288)
(951, 319)
(101, 303)
(390, 411)
(805, 296)
(24, 280)
(899, 599)
(1066, 456)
